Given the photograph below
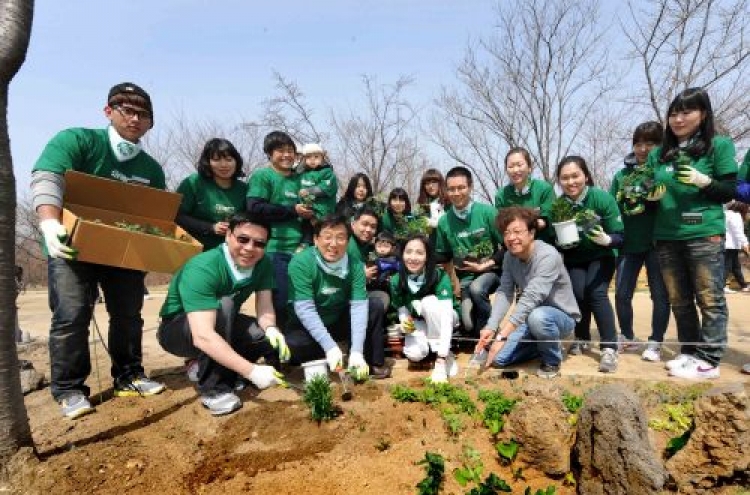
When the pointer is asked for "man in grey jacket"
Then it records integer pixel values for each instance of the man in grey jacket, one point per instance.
(546, 310)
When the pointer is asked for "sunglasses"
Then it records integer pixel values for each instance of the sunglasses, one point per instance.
(254, 243)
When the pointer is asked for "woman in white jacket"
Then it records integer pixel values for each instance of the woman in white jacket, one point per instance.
(735, 241)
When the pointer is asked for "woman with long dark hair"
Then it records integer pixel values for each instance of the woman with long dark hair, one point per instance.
(699, 171)
(358, 193)
(433, 198)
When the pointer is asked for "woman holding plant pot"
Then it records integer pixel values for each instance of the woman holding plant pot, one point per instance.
(699, 171)
(422, 295)
(397, 213)
(591, 262)
(433, 198)
(526, 191)
(637, 193)
(213, 194)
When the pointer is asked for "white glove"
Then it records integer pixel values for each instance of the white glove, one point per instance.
(688, 175)
(656, 193)
(598, 236)
(335, 358)
(264, 376)
(358, 366)
(54, 234)
(278, 342)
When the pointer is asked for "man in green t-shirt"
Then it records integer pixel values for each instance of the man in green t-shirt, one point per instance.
(201, 319)
(328, 304)
(113, 153)
(467, 235)
(273, 194)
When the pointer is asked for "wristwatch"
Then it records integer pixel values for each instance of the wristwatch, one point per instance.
(500, 338)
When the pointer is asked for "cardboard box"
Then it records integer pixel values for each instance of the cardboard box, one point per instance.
(92, 206)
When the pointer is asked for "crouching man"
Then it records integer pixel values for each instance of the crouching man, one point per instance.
(546, 310)
(201, 319)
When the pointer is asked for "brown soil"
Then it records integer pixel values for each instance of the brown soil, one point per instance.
(169, 444)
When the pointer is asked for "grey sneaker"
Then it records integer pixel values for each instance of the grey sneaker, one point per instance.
(548, 371)
(138, 386)
(578, 347)
(75, 405)
(608, 361)
(220, 403)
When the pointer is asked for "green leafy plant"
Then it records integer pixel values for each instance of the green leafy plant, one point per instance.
(676, 444)
(483, 249)
(497, 406)
(634, 189)
(569, 479)
(453, 422)
(550, 490)
(402, 393)
(507, 451)
(587, 219)
(561, 210)
(319, 399)
(471, 467)
(492, 485)
(572, 402)
(675, 418)
(435, 469)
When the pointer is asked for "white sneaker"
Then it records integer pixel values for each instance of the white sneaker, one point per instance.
(652, 352)
(678, 362)
(220, 404)
(695, 369)
(439, 373)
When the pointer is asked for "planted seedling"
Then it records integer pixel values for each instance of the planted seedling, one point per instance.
(435, 467)
(572, 402)
(679, 418)
(492, 485)
(497, 406)
(550, 490)
(471, 467)
(453, 422)
(319, 399)
(676, 444)
(402, 393)
(507, 451)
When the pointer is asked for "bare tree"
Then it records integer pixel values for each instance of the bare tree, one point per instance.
(290, 112)
(15, 31)
(685, 43)
(532, 83)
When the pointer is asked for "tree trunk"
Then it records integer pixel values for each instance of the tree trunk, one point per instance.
(15, 31)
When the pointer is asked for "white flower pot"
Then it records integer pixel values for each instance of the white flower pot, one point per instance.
(315, 368)
(566, 232)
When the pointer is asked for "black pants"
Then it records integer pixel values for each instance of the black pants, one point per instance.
(304, 348)
(242, 332)
(732, 265)
(590, 283)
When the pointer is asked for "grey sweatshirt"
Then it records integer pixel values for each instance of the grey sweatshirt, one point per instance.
(543, 280)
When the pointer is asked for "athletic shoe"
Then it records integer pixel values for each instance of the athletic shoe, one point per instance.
(548, 371)
(221, 403)
(695, 369)
(439, 373)
(451, 365)
(138, 386)
(652, 352)
(608, 361)
(192, 367)
(578, 347)
(75, 405)
(629, 345)
(677, 362)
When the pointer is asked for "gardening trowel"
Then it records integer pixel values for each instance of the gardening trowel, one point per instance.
(346, 384)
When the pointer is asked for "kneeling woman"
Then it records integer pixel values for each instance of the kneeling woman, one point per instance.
(423, 297)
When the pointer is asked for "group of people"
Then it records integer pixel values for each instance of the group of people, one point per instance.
(328, 276)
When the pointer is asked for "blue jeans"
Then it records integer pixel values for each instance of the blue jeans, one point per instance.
(693, 271)
(544, 323)
(475, 301)
(628, 267)
(280, 262)
(72, 295)
(590, 283)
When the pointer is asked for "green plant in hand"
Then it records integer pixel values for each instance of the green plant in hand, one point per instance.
(435, 467)
(561, 210)
(319, 399)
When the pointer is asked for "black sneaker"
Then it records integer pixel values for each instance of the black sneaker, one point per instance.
(548, 371)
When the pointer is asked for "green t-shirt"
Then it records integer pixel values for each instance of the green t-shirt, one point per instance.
(537, 194)
(207, 278)
(359, 250)
(325, 179)
(443, 290)
(89, 151)
(205, 200)
(456, 238)
(605, 207)
(268, 184)
(744, 173)
(331, 294)
(639, 229)
(685, 212)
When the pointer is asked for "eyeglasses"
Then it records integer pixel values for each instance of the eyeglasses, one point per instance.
(130, 113)
(254, 243)
(514, 233)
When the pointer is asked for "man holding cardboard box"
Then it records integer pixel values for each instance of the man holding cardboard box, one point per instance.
(113, 153)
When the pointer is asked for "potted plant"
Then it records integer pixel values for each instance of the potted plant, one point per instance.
(563, 218)
(634, 189)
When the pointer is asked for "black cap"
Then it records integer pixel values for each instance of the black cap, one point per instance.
(128, 88)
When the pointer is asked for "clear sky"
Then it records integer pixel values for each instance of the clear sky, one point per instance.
(213, 59)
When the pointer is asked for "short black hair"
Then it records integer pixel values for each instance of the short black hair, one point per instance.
(648, 132)
(365, 211)
(460, 172)
(275, 140)
(218, 147)
(385, 236)
(328, 221)
(244, 217)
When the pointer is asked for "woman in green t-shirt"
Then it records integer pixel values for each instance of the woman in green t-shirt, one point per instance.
(423, 296)
(397, 214)
(213, 194)
(699, 172)
(433, 198)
